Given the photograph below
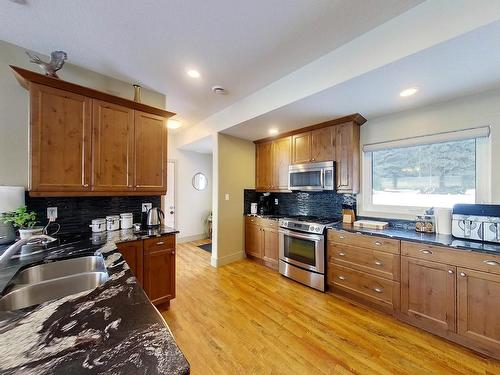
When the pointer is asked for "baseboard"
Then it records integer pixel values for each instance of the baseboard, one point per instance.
(201, 236)
(219, 262)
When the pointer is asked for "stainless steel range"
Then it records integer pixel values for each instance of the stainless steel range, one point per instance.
(302, 249)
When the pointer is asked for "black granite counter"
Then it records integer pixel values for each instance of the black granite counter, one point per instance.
(428, 238)
(113, 329)
(272, 217)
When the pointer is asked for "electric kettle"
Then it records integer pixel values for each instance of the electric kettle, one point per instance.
(155, 217)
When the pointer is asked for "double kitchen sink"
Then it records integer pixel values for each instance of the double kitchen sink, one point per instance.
(45, 282)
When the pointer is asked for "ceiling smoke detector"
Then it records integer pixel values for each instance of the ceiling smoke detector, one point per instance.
(219, 90)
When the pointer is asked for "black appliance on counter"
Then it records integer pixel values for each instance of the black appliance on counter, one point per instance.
(265, 204)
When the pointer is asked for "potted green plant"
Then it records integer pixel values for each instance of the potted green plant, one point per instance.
(23, 220)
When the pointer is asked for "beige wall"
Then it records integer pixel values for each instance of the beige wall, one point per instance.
(14, 107)
(235, 171)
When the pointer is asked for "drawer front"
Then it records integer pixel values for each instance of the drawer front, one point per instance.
(375, 262)
(162, 243)
(269, 223)
(252, 220)
(365, 241)
(464, 258)
(372, 288)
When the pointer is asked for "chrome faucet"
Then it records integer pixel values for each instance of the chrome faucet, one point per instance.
(16, 246)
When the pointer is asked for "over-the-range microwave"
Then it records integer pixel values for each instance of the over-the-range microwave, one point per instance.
(312, 176)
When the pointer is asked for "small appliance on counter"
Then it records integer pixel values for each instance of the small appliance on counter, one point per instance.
(426, 222)
(265, 204)
(476, 222)
(155, 217)
(253, 208)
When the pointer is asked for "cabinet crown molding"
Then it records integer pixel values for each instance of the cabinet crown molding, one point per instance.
(26, 77)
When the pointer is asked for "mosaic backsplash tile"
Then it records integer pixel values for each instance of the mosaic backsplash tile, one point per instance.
(76, 213)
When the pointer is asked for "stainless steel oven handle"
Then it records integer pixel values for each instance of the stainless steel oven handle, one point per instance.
(312, 237)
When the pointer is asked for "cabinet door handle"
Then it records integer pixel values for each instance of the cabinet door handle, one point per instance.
(378, 290)
(160, 243)
(450, 272)
(342, 254)
(424, 251)
(341, 277)
(491, 262)
(463, 274)
(173, 252)
(378, 243)
(313, 159)
(341, 237)
(85, 185)
(379, 263)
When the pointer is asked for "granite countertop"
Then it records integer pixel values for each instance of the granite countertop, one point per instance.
(428, 238)
(271, 217)
(113, 329)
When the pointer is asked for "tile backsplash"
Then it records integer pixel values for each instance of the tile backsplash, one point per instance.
(76, 213)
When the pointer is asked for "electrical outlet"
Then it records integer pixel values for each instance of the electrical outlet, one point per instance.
(146, 207)
(275, 201)
(51, 213)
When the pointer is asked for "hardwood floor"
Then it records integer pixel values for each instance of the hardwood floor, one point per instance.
(244, 318)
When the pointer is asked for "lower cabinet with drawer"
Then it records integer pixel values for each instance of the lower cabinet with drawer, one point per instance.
(365, 269)
(261, 240)
(152, 261)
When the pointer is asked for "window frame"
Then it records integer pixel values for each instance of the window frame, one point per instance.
(365, 206)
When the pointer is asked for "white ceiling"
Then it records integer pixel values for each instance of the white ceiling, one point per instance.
(461, 66)
(241, 45)
(203, 145)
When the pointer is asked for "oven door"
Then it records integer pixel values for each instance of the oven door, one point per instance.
(303, 250)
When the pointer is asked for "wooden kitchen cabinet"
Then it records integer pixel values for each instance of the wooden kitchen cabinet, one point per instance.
(428, 294)
(150, 152)
(113, 147)
(264, 166)
(301, 148)
(84, 142)
(347, 157)
(60, 140)
(261, 240)
(159, 269)
(132, 252)
(281, 162)
(314, 146)
(478, 309)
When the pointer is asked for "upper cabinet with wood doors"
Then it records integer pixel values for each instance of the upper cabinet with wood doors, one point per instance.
(60, 140)
(87, 142)
(335, 140)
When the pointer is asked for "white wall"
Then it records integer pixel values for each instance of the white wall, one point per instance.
(192, 206)
(467, 112)
(14, 107)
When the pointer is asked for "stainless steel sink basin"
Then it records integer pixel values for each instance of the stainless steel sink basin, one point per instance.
(33, 294)
(49, 281)
(60, 268)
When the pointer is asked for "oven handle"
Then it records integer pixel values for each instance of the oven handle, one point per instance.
(313, 237)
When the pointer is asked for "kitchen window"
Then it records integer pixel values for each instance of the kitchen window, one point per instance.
(403, 177)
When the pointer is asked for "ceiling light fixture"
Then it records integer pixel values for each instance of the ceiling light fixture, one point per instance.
(193, 73)
(273, 131)
(408, 92)
(173, 124)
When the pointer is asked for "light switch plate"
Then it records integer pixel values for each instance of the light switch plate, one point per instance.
(146, 207)
(51, 213)
(227, 196)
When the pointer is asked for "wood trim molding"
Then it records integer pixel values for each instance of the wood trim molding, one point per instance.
(25, 77)
(356, 118)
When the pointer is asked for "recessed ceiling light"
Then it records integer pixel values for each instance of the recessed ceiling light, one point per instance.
(173, 124)
(408, 92)
(273, 131)
(193, 73)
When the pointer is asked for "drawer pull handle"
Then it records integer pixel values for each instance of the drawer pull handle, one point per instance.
(491, 263)
(341, 237)
(378, 290)
(424, 251)
(450, 272)
(341, 277)
(463, 274)
(342, 254)
(378, 243)
(173, 252)
(379, 263)
(160, 243)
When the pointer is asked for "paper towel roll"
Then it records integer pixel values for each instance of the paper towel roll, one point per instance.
(443, 220)
(11, 198)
